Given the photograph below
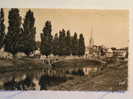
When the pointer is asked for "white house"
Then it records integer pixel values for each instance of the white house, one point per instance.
(109, 52)
(37, 52)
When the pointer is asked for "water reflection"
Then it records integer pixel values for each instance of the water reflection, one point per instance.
(40, 79)
(35, 80)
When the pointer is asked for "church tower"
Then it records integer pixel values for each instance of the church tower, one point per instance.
(91, 41)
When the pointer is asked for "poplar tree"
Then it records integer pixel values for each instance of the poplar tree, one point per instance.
(62, 43)
(75, 45)
(46, 39)
(55, 44)
(2, 28)
(81, 46)
(14, 31)
(27, 42)
(68, 43)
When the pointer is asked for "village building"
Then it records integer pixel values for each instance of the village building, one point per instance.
(109, 52)
(37, 52)
(121, 53)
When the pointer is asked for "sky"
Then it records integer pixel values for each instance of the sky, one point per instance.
(109, 27)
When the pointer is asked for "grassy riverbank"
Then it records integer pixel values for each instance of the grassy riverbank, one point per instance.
(112, 78)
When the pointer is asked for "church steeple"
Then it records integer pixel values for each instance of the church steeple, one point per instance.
(91, 41)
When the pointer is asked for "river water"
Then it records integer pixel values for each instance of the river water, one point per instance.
(32, 80)
(40, 79)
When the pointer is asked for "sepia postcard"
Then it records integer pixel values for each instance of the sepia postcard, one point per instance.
(69, 49)
(64, 49)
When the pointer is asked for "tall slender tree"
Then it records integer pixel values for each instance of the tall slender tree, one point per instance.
(27, 42)
(75, 45)
(46, 39)
(68, 43)
(81, 46)
(55, 44)
(14, 31)
(62, 43)
(2, 28)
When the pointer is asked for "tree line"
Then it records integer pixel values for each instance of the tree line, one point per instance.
(20, 36)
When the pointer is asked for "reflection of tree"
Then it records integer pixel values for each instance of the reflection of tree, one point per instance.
(43, 82)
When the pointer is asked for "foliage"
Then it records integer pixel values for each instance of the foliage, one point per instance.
(14, 31)
(27, 41)
(46, 37)
(2, 28)
(55, 44)
(75, 45)
(81, 48)
(68, 43)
